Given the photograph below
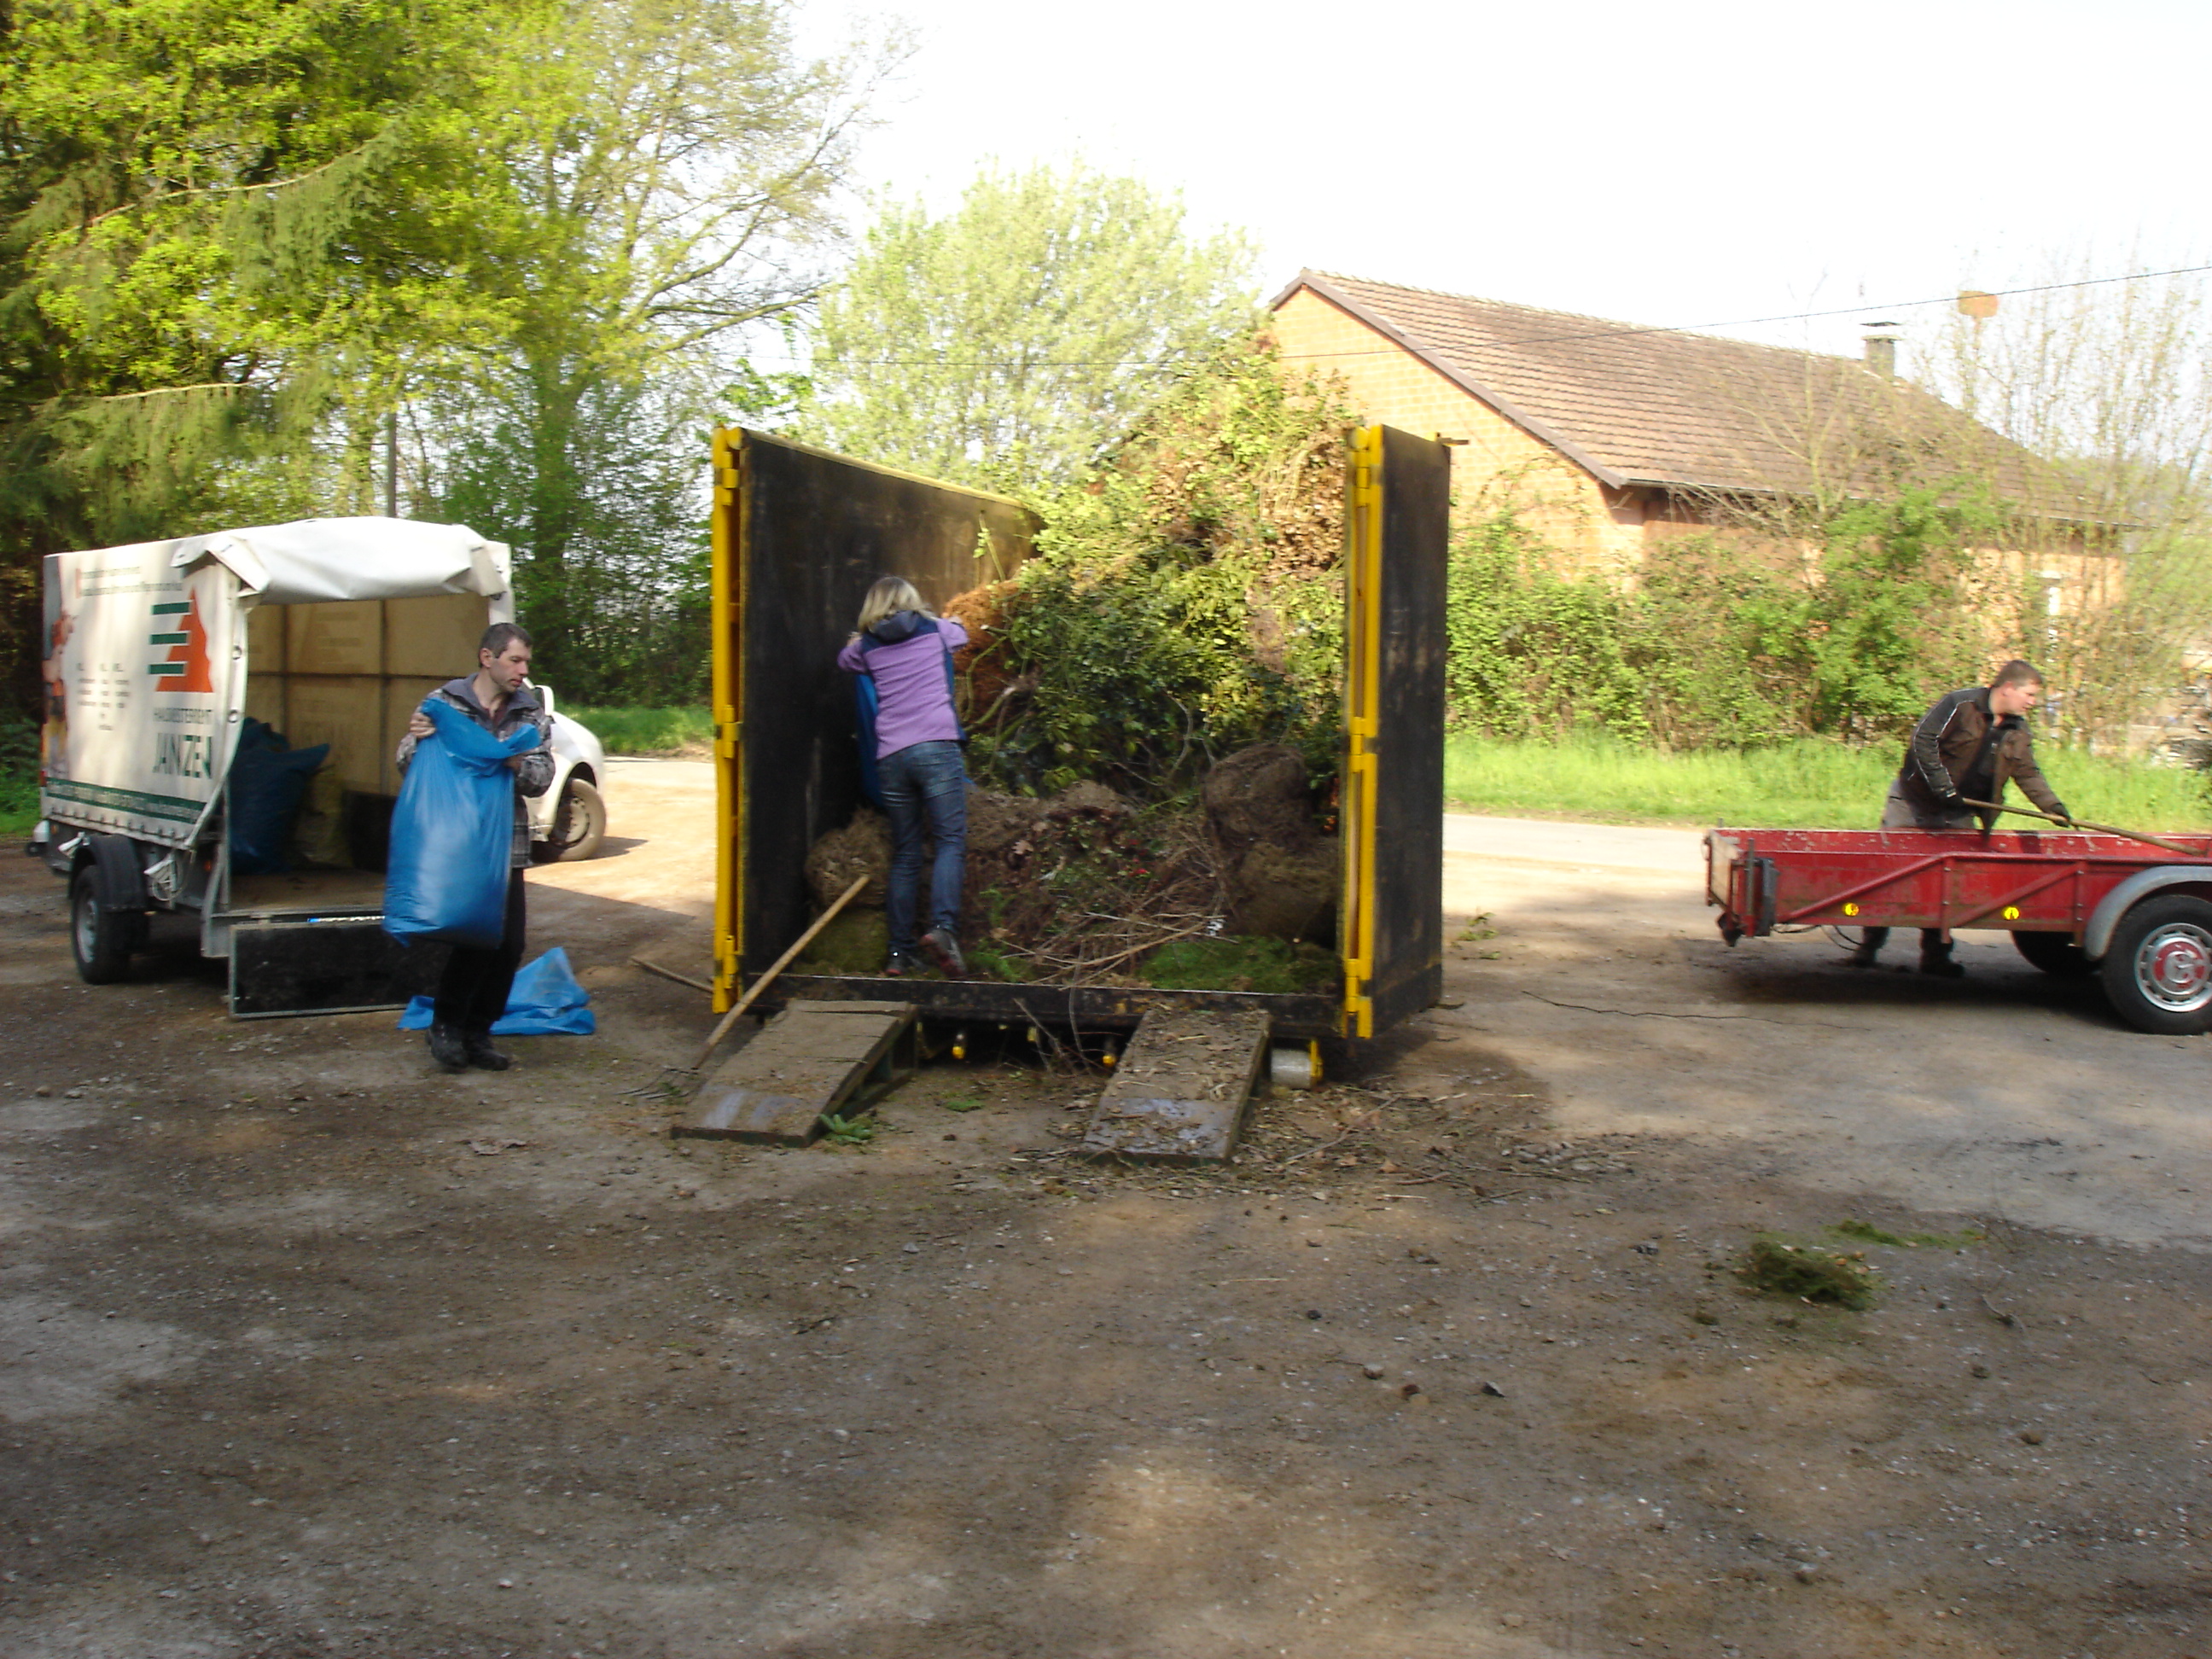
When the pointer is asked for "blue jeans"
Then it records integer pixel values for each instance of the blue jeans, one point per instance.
(924, 785)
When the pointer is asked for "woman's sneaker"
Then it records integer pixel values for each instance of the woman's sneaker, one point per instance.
(941, 948)
(901, 965)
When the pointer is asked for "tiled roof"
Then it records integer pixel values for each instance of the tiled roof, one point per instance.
(1649, 406)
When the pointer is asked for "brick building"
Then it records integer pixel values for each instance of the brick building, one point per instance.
(1604, 436)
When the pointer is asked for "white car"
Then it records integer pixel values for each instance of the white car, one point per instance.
(569, 820)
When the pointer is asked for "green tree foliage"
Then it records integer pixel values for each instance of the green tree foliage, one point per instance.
(245, 246)
(1005, 342)
(670, 166)
(1186, 598)
(1849, 630)
(222, 225)
(211, 208)
(633, 588)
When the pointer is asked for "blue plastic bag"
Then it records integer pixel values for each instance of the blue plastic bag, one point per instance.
(546, 1001)
(267, 782)
(452, 833)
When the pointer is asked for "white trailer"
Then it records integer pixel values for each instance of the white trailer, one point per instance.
(330, 630)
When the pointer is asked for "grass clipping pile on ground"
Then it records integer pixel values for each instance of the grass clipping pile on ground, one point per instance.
(1810, 1272)
(1153, 709)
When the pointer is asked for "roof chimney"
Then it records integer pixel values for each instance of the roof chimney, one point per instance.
(1881, 340)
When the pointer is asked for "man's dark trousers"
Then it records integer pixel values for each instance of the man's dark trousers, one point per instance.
(472, 991)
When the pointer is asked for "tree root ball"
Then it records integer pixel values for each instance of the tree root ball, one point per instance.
(862, 847)
(1279, 870)
(982, 612)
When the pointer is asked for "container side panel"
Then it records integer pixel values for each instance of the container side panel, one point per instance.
(435, 637)
(814, 531)
(1407, 902)
(347, 713)
(343, 637)
(264, 639)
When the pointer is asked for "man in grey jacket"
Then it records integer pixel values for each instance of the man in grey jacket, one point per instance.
(1966, 748)
(473, 989)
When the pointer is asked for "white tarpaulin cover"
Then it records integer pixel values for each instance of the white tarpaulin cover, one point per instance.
(321, 559)
(144, 652)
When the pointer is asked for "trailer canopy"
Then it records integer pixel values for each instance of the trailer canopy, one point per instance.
(147, 651)
(319, 560)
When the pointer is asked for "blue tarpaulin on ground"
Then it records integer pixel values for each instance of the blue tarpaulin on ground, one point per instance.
(546, 1001)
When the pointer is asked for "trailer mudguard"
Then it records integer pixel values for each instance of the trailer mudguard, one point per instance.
(116, 871)
(2097, 937)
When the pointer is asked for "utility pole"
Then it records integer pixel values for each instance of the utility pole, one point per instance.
(392, 464)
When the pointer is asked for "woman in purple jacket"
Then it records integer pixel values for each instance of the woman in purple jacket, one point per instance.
(919, 767)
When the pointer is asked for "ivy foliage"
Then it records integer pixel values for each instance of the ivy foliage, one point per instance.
(1849, 627)
(1186, 600)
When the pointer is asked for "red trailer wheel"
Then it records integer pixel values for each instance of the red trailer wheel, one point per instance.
(2158, 972)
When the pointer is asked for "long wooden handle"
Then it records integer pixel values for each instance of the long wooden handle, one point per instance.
(779, 965)
(2083, 823)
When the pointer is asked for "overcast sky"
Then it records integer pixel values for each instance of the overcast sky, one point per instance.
(1696, 164)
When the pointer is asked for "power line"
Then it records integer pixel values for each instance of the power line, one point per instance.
(1529, 339)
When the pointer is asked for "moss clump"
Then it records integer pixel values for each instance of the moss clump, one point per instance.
(1810, 1273)
(1240, 963)
(855, 944)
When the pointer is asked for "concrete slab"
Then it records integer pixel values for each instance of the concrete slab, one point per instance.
(1180, 1092)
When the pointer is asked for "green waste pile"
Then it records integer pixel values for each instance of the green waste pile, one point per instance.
(1154, 707)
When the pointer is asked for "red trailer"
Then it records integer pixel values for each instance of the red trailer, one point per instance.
(2137, 916)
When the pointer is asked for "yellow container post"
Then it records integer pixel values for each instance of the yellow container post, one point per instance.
(726, 614)
(1362, 624)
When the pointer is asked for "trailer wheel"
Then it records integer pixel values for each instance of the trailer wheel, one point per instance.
(580, 824)
(100, 939)
(2158, 973)
(2056, 954)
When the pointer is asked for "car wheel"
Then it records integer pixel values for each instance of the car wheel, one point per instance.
(2056, 954)
(2158, 972)
(580, 824)
(100, 939)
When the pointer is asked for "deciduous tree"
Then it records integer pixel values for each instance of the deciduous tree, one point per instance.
(1007, 342)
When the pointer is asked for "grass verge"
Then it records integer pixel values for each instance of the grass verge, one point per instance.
(630, 731)
(1808, 785)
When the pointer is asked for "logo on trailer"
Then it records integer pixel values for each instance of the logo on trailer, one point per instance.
(186, 667)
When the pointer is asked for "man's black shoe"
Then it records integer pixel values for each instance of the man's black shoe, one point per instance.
(448, 1048)
(1939, 964)
(482, 1054)
(944, 950)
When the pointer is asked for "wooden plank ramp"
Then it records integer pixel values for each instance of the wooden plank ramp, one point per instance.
(1180, 1092)
(811, 1059)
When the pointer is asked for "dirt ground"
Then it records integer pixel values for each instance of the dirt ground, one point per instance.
(306, 1350)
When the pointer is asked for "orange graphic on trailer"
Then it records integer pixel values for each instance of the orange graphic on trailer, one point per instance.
(186, 667)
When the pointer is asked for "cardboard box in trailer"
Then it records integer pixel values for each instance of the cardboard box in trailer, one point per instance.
(159, 658)
(799, 534)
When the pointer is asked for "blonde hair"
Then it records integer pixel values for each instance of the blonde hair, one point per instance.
(890, 596)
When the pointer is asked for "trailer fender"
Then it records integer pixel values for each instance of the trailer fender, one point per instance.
(2097, 937)
(114, 861)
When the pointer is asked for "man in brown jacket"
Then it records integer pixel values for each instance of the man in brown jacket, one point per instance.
(1967, 747)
